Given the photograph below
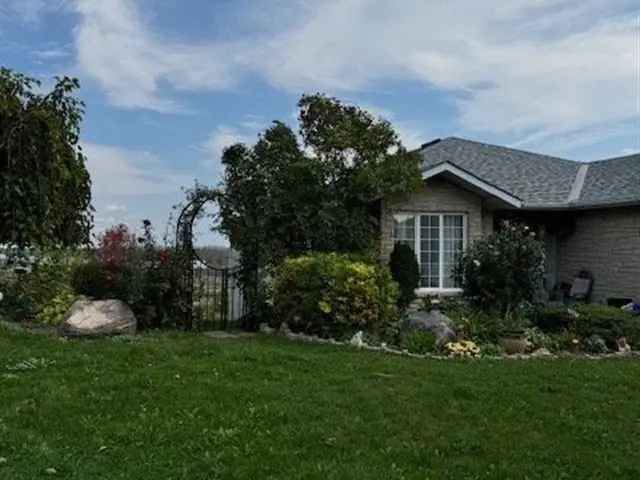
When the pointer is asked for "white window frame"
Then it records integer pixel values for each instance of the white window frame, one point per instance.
(422, 291)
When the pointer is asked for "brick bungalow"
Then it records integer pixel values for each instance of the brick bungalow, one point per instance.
(587, 213)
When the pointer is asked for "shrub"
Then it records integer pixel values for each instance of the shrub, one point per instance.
(472, 323)
(504, 270)
(47, 276)
(53, 312)
(406, 272)
(595, 344)
(609, 323)
(101, 282)
(553, 319)
(419, 341)
(491, 350)
(538, 339)
(141, 274)
(333, 294)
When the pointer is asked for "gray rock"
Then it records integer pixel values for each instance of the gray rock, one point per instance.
(541, 352)
(101, 317)
(435, 322)
(266, 329)
(357, 340)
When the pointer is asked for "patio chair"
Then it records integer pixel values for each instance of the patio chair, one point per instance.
(581, 287)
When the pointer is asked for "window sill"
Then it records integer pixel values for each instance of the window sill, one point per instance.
(425, 292)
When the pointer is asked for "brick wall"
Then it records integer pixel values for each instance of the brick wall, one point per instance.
(607, 243)
(436, 196)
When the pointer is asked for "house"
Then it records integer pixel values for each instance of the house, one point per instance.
(587, 213)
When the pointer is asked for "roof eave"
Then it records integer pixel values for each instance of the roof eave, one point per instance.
(471, 179)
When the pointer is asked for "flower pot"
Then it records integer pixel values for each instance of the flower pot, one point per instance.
(514, 343)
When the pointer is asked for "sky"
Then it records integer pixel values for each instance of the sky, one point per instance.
(169, 83)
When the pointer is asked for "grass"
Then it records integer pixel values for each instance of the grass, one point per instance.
(183, 406)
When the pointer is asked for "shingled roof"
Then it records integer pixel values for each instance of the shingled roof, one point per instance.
(540, 181)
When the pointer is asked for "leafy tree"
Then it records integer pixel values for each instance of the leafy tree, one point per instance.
(45, 189)
(282, 198)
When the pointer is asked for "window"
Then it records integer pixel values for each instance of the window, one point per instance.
(438, 240)
(404, 230)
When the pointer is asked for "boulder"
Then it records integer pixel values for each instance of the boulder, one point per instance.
(435, 322)
(100, 317)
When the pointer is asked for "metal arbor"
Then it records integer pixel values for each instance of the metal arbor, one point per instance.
(211, 296)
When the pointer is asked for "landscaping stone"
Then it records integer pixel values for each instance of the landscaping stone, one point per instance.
(623, 346)
(266, 329)
(435, 322)
(228, 334)
(357, 340)
(101, 317)
(541, 352)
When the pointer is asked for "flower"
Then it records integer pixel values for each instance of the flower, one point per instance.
(476, 263)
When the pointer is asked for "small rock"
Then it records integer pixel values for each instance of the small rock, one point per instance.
(50, 471)
(266, 329)
(541, 352)
(284, 329)
(357, 340)
(623, 346)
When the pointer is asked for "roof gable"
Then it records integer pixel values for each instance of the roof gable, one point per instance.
(540, 181)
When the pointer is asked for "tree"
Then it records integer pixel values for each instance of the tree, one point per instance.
(45, 188)
(282, 198)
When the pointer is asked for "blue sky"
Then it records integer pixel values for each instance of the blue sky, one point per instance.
(169, 83)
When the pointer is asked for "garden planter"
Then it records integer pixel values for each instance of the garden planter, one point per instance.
(514, 343)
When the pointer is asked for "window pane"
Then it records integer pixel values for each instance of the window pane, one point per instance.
(404, 232)
(453, 236)
(430, 251)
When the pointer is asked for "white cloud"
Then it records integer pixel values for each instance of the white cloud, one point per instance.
(116, 208)
(115, 47)
(50, 54)
(533, 69)
(553, 66)
(122, 171)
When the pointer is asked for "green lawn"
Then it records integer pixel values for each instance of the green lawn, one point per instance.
(182, 406)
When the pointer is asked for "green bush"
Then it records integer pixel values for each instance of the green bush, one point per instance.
(406, 272)
(332, 294)
(100, 282)
(539, 339)
(48, 276)
(419, 341)
(472, 323)
(504, 270)
(595, 344)
(609, 323)
(553, 319)
(53, 312)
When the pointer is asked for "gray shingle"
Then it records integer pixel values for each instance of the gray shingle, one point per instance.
(539, 180)
(616, 180)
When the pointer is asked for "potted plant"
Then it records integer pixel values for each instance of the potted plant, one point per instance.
(514, 338)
